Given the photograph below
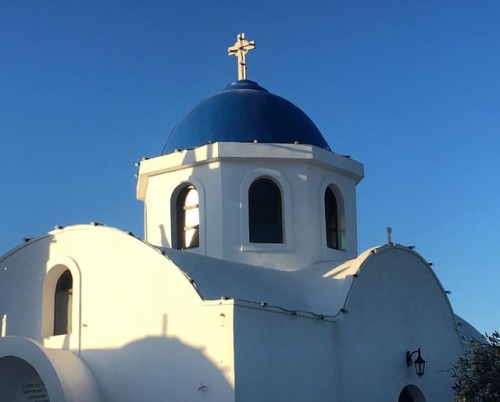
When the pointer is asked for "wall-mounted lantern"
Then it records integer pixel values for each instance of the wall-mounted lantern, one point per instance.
(418, 362)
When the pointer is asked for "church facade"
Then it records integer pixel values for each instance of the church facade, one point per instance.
(248, 285)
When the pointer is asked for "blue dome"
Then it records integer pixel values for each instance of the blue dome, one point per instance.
(244, 112)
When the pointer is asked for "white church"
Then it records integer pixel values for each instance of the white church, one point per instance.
(247, 286)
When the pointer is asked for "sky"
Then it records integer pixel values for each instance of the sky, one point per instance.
(409, 88)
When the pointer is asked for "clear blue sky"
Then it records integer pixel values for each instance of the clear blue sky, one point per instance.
(409, 88)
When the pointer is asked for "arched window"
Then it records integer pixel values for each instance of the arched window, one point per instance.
(332, 220)
(188, 218)
(265, 212)
(411, 393)
(405, 396)
(63, 301)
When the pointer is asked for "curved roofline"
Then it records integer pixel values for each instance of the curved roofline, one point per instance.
(244, 112)
(359, 262)
(366, 255)
(58, 229)
(97, 226)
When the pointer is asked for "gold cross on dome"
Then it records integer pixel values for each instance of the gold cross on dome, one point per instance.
(240, 49)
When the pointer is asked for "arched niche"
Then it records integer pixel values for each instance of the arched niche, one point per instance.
(265, 212)
(27, 370)
(411, 393)
(187, 218)
(61, 302)
(186, 233)
(285, 189)
(19, 381)
(334, 219)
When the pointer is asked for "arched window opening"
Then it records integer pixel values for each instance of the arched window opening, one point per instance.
(411, 393)
(332, 220)
(265, 212)
(63, 301)
(405, 396)
(188, 218)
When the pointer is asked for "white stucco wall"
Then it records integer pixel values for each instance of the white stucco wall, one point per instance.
(282, 357)
(138, 322)
(141, 331)
(396, 304)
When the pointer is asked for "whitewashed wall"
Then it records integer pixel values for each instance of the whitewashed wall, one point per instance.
(223, 172)
(138, 322)
(396, 304)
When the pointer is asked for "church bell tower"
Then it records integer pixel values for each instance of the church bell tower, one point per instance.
(247, 176)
